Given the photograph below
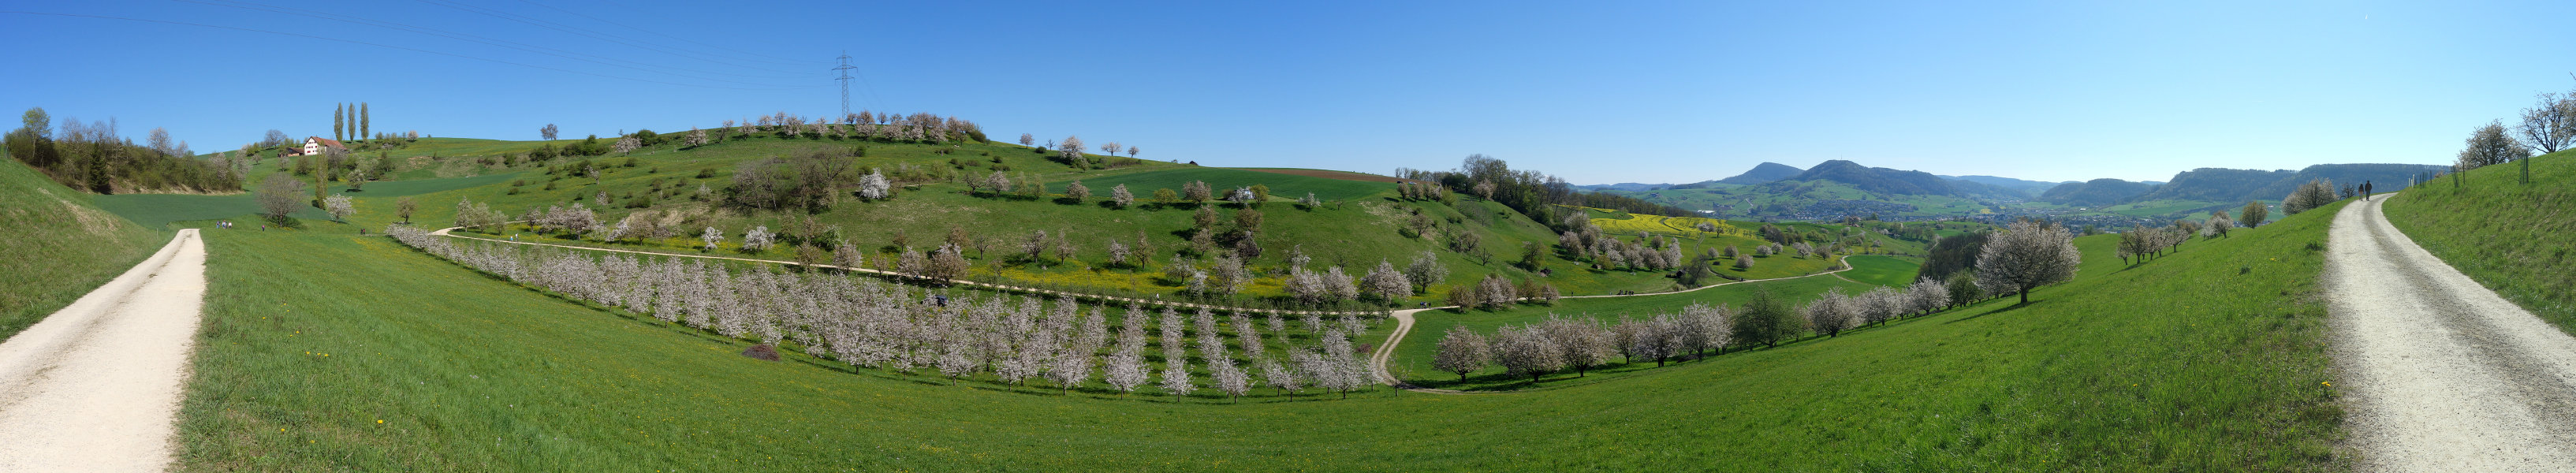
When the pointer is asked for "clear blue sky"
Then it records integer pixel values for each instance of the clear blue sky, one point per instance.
(1596, 92)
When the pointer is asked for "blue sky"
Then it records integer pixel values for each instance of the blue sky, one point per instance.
(1596, 92)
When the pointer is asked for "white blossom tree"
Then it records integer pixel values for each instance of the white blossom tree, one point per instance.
(874, 186)
(339, 206)
(1386, 284)
(1119, 195)
(1462, 351)
(758, 239)
(2027, 255)
(1229, 378)
(1524, 351)
(1176, 375)
(1071, 148)
(1426, 270)
(712, 236)
(1831, 313)
(1276, 376)
(1076, 191)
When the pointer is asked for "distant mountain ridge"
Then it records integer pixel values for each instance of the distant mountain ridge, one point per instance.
(2230, 185)
(2024, 186)
(2097, 192)
(1764, 173)
(1877, 180)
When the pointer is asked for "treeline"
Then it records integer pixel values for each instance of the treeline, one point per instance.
(1580, 344)
(1532, 193)
(94, 157)
(912, 330)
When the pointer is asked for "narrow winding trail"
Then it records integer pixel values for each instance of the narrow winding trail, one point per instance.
(1404, 324)
(95, 386)
(2442, 375)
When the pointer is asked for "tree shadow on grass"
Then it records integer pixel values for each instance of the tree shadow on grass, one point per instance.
(2009, 308)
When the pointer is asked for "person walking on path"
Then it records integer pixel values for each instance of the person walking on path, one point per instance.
(2365, 190)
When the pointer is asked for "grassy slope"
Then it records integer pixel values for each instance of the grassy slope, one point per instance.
(60, 246)
(1356, 232)
(2148, 368)
(2511, 237)
(1884, 271)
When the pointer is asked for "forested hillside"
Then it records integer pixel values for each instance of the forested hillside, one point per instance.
(97, 158)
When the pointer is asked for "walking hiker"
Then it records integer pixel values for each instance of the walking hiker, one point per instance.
(2365, 190)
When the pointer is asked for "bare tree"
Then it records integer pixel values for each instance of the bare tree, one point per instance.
(1028, 140)
(160, 141)
(549, 132)
(1109, 149)
(278, 194)
(2027, 255)
(1131, 151)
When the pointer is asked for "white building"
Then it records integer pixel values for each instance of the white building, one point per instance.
(314, 145)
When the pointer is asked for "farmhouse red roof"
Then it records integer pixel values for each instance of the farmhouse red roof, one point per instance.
(326, 142)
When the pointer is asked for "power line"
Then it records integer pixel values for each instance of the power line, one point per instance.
(845, 84)
(388, 46)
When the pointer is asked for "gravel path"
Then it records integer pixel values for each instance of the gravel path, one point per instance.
(95, 386)
(2441, 374)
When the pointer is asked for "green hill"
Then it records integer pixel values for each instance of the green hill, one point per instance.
(2097, 192)
(326, 351)
(61, 245)
(2509, 236)
(1359, 224)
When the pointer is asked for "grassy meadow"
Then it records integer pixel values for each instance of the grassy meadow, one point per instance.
(61, 246)
(1358, 225)
(326, 351)
(2509, 236)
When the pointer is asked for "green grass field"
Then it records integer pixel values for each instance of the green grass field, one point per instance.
(1892, 271)
(1283, 187)
(1357, 228)
(2510, 237)
(61, 246)
(325, 351)
(158, 210)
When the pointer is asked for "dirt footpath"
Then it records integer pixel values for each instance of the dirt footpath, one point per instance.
(2440, 374)
(95, 386)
